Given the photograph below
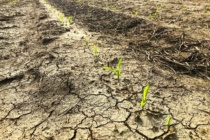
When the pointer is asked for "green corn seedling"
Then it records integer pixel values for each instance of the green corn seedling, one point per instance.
(207, 10)
(111, 7)
(144, 96)
(61, 17)
(86, 42)
(95, 49)
(43, 1)
(155, 14)
(169, 121)
(52, 8)
(136, 13)
(11, 2)
(117, 71)
(162, 5)
(70, 20)
(89, 3)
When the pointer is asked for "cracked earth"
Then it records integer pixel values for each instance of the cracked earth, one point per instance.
(53, 86)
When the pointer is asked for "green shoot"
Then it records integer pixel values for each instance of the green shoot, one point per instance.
(207, 10)
(144, 96)
(86, 42)
(89, 3)
(111, 6)
(117, 70)
(169, 121)
(52, 8)
(162, 5)
(95, 49)
(155, 14)
(12, 2)
(61, 17)
(43, 1)
(70, 20)
(136, 13)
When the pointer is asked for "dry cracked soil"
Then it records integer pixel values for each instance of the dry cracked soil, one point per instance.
(53, 85)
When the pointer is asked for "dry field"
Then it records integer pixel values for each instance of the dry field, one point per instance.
(53, 85)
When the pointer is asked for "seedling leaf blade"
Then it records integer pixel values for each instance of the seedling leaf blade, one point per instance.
(86, 41)
(116, 71)
(144, 96)
(109, 68)
(61, 17)
(119, 64)
(145, 92)
(143, 103)
(95, 49)
(168, 121)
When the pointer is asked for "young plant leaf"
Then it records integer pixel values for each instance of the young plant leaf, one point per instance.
(108, 68)
(169, 121)
(52, 8)
(70, 20)
(117, 70)
(135, 13)
(86, 41)
(119, 64)
(61, 17)
(144, 96)
(145, 92)
(118, 73)
(95, 49)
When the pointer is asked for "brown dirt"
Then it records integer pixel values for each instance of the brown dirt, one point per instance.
(52, 86)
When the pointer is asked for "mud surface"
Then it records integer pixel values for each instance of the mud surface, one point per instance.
(53, 86)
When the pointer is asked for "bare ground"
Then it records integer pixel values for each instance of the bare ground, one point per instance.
(52, 86)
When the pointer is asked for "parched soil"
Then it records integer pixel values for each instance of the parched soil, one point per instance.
(53, 85)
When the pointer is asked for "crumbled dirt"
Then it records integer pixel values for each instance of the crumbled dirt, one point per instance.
(54, 87)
